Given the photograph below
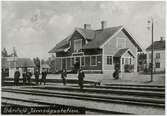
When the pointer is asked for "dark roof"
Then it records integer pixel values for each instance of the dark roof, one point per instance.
(120, 52)
(97, 37)
(60, 49)
(101, 36)
(20, 62)
(158, 45)
(86, 33)
(61, 45)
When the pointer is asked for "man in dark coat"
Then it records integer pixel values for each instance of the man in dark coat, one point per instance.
(63, 76)
(16, 77)
(43, 79)
(29, 75)
(81, 76)
(76, 66)
(116, 72)
(36, 73)
(24, 74)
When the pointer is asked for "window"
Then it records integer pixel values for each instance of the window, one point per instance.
(122, 60)
(121, 43)
(77, 45)
(87, 60)
(157, 65)
(126, 60)
(93, 60)
(109, 60)
(71, 62)
(83, 61)
(157, 55)
(130, 60)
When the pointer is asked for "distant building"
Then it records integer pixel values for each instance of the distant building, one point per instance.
(9, 64)
(97, 50)
(158, 56)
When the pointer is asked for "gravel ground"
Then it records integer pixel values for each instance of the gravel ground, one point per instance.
(130, 78)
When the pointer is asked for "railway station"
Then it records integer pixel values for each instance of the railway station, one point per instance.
(80, 57)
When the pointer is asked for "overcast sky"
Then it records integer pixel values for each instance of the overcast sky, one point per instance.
(35, 27)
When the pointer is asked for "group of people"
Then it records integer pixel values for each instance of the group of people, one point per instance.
(26, 77)
(81, 76)
(43, 78)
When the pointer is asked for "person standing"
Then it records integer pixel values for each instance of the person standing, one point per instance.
(16, 77)
(36, 73)
(63, 76)
(24, 74)
(42, 74)
(81, 76)
(45, 75)
(43, 79)
(29, 75)
(76, 66)
(116, 72)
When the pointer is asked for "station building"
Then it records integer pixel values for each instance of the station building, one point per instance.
(97, 50)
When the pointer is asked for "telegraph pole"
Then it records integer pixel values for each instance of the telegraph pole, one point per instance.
(152, 50)
(152, 47)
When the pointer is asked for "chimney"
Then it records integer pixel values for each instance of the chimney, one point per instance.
(161, 38)
(103, 24)
(87, 26)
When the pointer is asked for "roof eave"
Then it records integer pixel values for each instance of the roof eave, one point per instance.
(91, 48)
(136, 42)
(154, 49)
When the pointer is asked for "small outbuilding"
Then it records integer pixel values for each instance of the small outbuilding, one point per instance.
(9, 64)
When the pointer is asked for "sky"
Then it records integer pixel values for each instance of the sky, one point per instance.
(34, 28)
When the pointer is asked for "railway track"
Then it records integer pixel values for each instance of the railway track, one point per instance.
(119, 91)
(153, 98)
(30, 103)
(98, 98)
(129, 87)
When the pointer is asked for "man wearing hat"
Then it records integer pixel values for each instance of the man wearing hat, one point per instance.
(16, 77)
(81, 76)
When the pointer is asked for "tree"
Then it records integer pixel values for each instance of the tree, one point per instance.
(42, 61)
(14, 52)
(5, 53)
(37, 62)
(142, 58)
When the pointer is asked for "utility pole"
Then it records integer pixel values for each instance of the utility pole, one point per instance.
(152, 50)
(152, 47)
